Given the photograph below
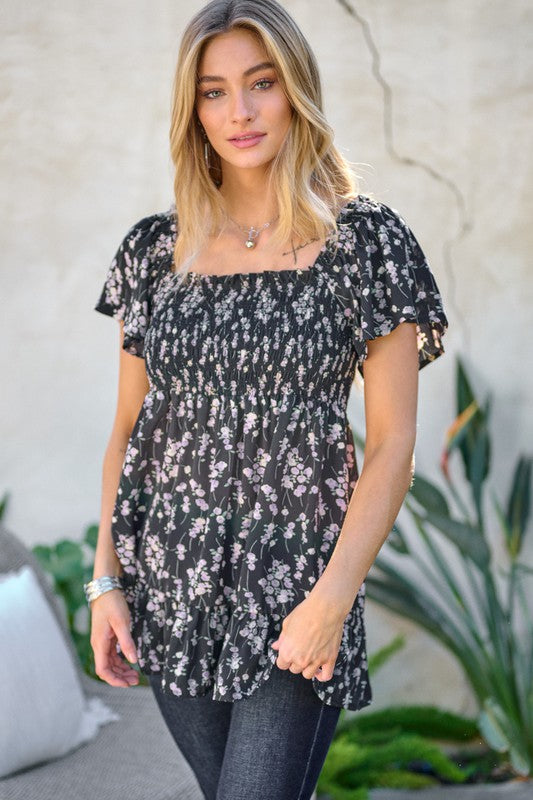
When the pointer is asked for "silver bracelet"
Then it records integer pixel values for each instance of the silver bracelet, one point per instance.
(98, 586)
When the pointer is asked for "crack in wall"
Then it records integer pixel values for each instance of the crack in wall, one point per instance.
(465, 224)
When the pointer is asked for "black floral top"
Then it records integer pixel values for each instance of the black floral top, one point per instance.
(241, 463)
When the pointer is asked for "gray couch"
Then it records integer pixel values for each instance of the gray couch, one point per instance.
(134, 758)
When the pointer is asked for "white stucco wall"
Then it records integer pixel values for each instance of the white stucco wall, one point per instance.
(434, 98)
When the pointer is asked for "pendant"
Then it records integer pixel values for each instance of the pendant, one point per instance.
(253, 233)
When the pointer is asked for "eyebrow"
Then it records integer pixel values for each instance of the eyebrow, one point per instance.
(249, 71)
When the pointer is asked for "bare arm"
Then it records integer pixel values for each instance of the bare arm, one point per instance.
(132, 388)
(391, 395)
(110, 616)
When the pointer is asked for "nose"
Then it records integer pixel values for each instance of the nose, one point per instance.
(242, 106)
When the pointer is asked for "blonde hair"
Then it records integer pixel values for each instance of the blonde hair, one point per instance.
(309, 177)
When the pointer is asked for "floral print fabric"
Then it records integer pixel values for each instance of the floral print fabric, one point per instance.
(241, 463)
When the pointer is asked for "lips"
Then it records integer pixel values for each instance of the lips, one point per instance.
(248, 135)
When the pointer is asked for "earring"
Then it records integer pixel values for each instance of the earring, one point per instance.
(206, 156)
(206, 146)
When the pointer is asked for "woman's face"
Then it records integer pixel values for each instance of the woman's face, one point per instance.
(236, 103)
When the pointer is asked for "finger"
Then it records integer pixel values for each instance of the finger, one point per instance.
(115, 674)
(119, 657)
(326, 673)
(109, 673)
(110, 668)
(125, 640)
(122, 667)
(311, 670)
(282, 663)
(114, 679)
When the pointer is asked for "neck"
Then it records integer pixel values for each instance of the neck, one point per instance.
(246, 198)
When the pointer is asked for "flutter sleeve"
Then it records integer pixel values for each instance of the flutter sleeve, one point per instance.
(387, 280)
(128, 286)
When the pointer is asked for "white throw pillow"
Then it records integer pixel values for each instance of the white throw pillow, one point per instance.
(43, 711)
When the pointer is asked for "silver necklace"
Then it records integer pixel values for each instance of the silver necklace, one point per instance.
(252, 232)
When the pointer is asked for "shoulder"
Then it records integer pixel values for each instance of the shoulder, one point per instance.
(377, 234)
(385, 278)
(144, 253)
(365, 213)
(152, 235)
(138, 265)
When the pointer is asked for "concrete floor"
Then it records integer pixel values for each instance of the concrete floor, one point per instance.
(512, 790)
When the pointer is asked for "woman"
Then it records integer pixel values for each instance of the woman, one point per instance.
(221, 566)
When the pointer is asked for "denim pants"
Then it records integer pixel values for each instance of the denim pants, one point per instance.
(270, 745)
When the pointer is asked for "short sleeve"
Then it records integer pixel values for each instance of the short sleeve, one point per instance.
(128, 286)
(388, 281)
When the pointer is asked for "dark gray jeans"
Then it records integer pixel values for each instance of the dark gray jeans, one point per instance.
(268, 746)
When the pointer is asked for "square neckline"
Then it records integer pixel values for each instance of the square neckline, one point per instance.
(267, 272)
(193, 275)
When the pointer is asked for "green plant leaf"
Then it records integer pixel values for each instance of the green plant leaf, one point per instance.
(65, 560)
(464, 392)
(450, 584)
(401, 595)
(68, 549)
(43, 553)
(335, 792)
(381, 591)
(382, 655)
(491, 728)
(407, 748)
(456, 432)
(396, 539)
(521, 763)
(504, 734)
(400, 779)
(342, 756)
(518, 505)
(428, 496)
(428, 721)
(469, 540)
(474, 446)
(502, 519)
(396, 597)
(91, 536)
(376, 737)
(479, 464)
(465, 397)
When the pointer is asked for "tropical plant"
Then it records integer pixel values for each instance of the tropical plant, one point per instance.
(392, 747)
(388, 756)
(446, 575)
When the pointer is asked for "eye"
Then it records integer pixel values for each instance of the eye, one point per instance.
(265, 80)
(209, 94)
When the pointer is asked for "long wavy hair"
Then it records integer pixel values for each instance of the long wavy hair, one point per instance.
(309, 177)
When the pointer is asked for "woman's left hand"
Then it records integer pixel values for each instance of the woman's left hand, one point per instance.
(310, 638)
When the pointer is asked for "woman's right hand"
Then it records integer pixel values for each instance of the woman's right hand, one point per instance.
(110, 623)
